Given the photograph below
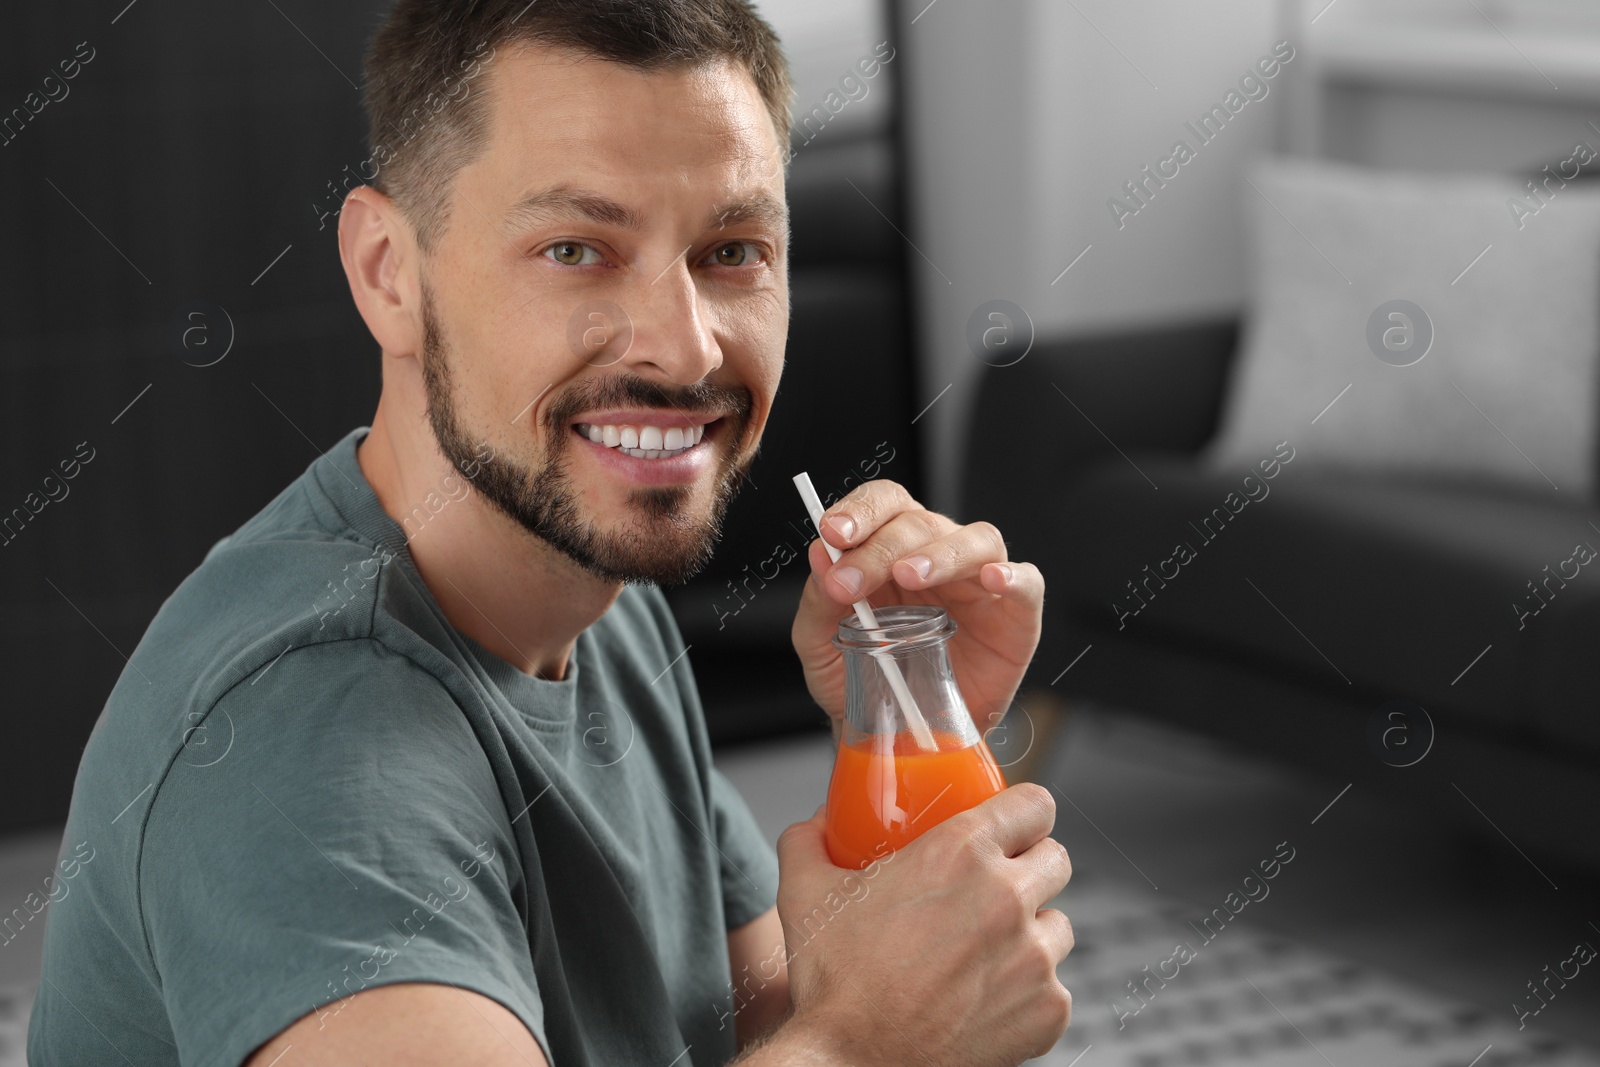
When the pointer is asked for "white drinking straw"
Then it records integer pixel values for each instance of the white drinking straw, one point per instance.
(891, 669)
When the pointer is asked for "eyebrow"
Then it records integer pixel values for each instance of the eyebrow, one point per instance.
(561, 202)
(762, 208)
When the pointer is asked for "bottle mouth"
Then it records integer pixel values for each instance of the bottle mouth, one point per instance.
(899, 626)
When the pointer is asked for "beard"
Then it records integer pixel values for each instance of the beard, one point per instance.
(660, 540)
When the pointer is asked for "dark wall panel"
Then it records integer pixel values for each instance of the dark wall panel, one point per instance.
(178, 163)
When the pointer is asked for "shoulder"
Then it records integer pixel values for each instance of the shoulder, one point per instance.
(272, 587)
(303, 578)
(347, 742)
(350, 725)
(280, 632)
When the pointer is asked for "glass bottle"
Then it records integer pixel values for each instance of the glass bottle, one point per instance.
(886, 789)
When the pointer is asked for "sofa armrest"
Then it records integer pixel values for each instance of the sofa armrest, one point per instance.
(1038, 424)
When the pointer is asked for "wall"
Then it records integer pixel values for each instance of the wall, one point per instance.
(1025, 118)
(822, 39)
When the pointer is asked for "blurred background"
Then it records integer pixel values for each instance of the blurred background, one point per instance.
(1268, 329)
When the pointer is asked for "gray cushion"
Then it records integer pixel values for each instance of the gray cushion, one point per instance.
(1516, 335)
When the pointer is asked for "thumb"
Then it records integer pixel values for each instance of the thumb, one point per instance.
(802, 845)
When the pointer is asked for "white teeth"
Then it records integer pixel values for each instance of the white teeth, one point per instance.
(645, 442)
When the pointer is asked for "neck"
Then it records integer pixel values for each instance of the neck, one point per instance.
(496, 582)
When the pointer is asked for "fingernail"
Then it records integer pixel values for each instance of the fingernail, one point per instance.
(1007, 573)
(843, 525)
(850, 578)
(922, 565)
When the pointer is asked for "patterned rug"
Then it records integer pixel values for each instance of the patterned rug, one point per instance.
(1250, 997)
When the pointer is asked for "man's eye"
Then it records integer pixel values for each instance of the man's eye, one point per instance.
(572, 254)
(737, 254)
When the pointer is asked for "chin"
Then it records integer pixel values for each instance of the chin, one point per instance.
(666, 539)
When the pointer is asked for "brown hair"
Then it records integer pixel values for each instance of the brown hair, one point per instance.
(425, 123)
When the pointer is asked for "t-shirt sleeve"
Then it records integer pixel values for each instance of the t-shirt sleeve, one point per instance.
(749, 863)
(352, 835)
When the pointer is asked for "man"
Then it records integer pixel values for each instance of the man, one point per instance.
(411, 770)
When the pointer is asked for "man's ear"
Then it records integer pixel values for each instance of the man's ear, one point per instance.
(379, 257)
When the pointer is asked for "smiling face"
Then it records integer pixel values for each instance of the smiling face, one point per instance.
(608, 306)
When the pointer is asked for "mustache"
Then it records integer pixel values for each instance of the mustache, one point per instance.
(733, 402)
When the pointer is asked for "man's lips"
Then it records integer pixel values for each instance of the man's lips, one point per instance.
(653, 466)
(646, 433)
(625, 435)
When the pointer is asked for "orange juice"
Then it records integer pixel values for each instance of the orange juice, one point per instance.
(879, 797)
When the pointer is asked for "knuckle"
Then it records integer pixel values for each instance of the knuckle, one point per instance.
(875, 556)
(1044, 955)
(1063, 1005)
(1056, 934)
(1064, 864)
(1017, 897)
(887, 487)
(1055, 1013)
(952, 555)
(989, 534)
(933, 524)
(870, 498)
(1037, 798)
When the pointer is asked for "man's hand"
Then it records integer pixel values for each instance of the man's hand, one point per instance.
(939, 952)
(895, 551)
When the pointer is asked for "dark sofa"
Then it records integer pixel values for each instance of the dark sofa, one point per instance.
(1307, 601)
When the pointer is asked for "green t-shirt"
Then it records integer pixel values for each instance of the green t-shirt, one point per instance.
(307, 782)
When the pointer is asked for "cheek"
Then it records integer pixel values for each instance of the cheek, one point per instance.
(504, 348)
(751, 333)
(535, 335)
(759, 332)
(763, 379)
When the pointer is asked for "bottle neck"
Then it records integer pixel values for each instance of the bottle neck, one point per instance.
(874, 713)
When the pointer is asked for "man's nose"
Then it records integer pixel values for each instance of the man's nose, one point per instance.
(672, 336)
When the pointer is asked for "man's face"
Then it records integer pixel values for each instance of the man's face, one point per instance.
(659, 194)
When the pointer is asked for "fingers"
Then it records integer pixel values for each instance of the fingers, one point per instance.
(1014, 819)
(1046, 869)
(865, 568)
(961, 553)
(853, 518)
(969, 553)
(885, 535)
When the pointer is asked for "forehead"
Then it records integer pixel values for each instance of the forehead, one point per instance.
(555, 115)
